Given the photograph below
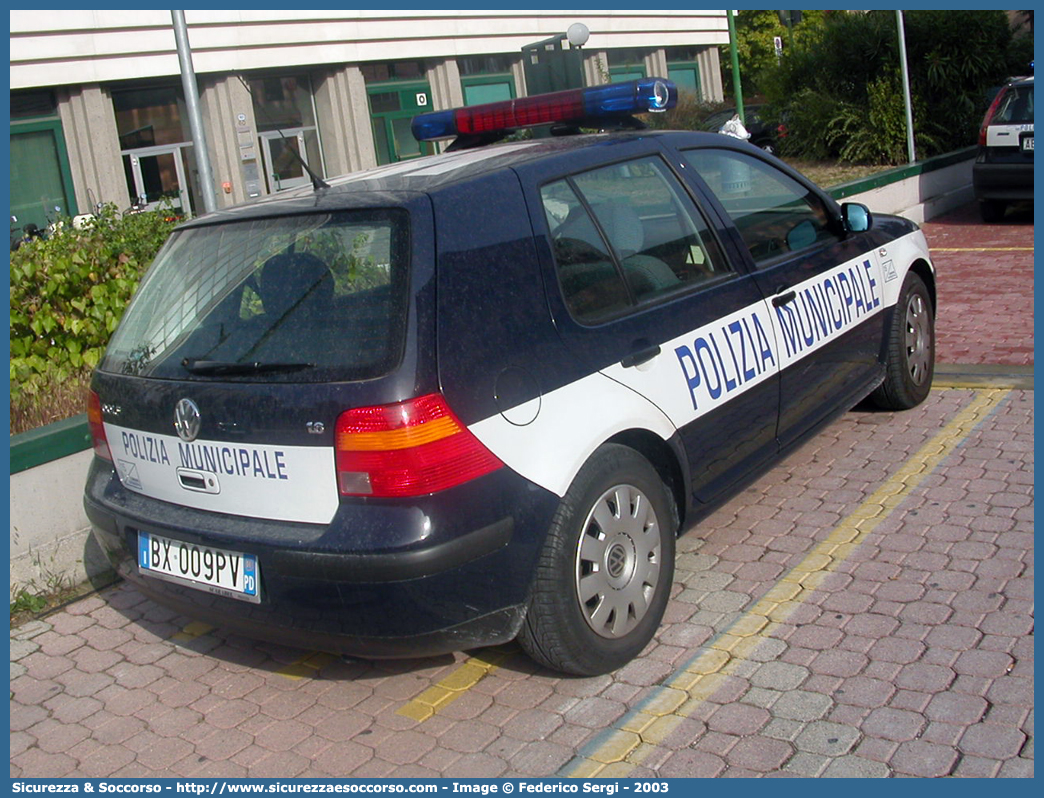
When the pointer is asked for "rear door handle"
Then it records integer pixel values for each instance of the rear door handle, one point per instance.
(782, 299)
(639, 357)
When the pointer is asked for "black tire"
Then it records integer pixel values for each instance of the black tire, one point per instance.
(992, 210)
(911, 349)
(611, 541)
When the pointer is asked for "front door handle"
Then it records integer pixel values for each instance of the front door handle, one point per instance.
(639, 357)
(782, 299)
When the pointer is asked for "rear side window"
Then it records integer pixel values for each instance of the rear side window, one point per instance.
(774, 214)
(626, 234)
(295, 298)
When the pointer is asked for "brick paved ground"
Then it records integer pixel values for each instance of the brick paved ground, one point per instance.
(864, 609)
(985, 287)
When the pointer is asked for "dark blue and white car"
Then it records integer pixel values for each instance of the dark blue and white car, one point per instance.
(475, 397)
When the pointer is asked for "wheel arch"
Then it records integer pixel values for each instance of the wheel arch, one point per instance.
(921, 268)
(667, 462)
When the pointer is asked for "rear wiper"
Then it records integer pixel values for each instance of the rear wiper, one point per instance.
(222, 367)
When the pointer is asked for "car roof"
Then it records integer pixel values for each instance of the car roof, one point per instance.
(393, 184)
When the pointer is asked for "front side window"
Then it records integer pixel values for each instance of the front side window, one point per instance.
(774, 214)
(626, 234)
(304, 298)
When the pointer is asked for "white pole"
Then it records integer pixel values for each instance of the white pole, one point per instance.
(910, 151)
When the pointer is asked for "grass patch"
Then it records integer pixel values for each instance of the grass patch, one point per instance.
(828, 173)
(53, 401)
(33, 602)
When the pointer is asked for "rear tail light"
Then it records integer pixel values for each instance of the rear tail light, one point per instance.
(410, 448)
(990, 114)
(94, 423)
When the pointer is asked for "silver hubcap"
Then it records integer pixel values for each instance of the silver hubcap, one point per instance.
(918, 339)
(618, 561)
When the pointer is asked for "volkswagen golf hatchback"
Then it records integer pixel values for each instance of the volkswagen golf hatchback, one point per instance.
(475, 397)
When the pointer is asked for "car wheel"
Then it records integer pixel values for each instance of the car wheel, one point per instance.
(606, 569)
(911, 349)
(992, 210)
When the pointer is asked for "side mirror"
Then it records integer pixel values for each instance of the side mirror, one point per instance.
(857, 217)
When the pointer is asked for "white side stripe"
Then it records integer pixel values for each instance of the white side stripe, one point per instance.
(701, 370)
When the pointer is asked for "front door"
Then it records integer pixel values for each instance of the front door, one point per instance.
(155, 175)
(824, 286)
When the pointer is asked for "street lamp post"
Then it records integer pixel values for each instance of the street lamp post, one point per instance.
(188, 83)
(734, 53)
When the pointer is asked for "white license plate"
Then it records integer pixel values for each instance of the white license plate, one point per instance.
(233, 574)
(1027, 144)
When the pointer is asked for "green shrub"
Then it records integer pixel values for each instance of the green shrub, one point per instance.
(807, 121)
(876, 133)
(68, 292)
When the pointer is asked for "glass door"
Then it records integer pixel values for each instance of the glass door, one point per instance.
(283, 155)
(155, 175)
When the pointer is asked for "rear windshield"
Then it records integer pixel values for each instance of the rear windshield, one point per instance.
(308, 298)
(1016, 106)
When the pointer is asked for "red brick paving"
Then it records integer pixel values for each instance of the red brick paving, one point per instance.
(985, 303)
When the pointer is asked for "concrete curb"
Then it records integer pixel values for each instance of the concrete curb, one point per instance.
(50, 540)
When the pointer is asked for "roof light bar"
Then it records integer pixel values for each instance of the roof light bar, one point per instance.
(608, 103)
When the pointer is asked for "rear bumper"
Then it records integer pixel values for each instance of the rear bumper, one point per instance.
(445, 573)
(1003, 181)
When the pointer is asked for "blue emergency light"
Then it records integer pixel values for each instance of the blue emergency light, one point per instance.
(614, 102)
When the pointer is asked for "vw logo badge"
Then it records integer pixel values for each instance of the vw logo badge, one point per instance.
(186, 420)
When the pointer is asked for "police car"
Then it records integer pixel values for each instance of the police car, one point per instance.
(1003, 169)
(475, 397)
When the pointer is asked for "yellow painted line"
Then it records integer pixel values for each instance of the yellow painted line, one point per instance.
(191, 631)
(457, 683)
(307, 667)
(625, 747)
(981, 249)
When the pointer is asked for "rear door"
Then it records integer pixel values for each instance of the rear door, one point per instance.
(642, 291)
(824, 286)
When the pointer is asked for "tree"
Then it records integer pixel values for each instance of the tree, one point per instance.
(755, 45)
(839, 93)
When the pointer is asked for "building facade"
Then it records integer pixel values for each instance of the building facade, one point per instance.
(98, 112)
